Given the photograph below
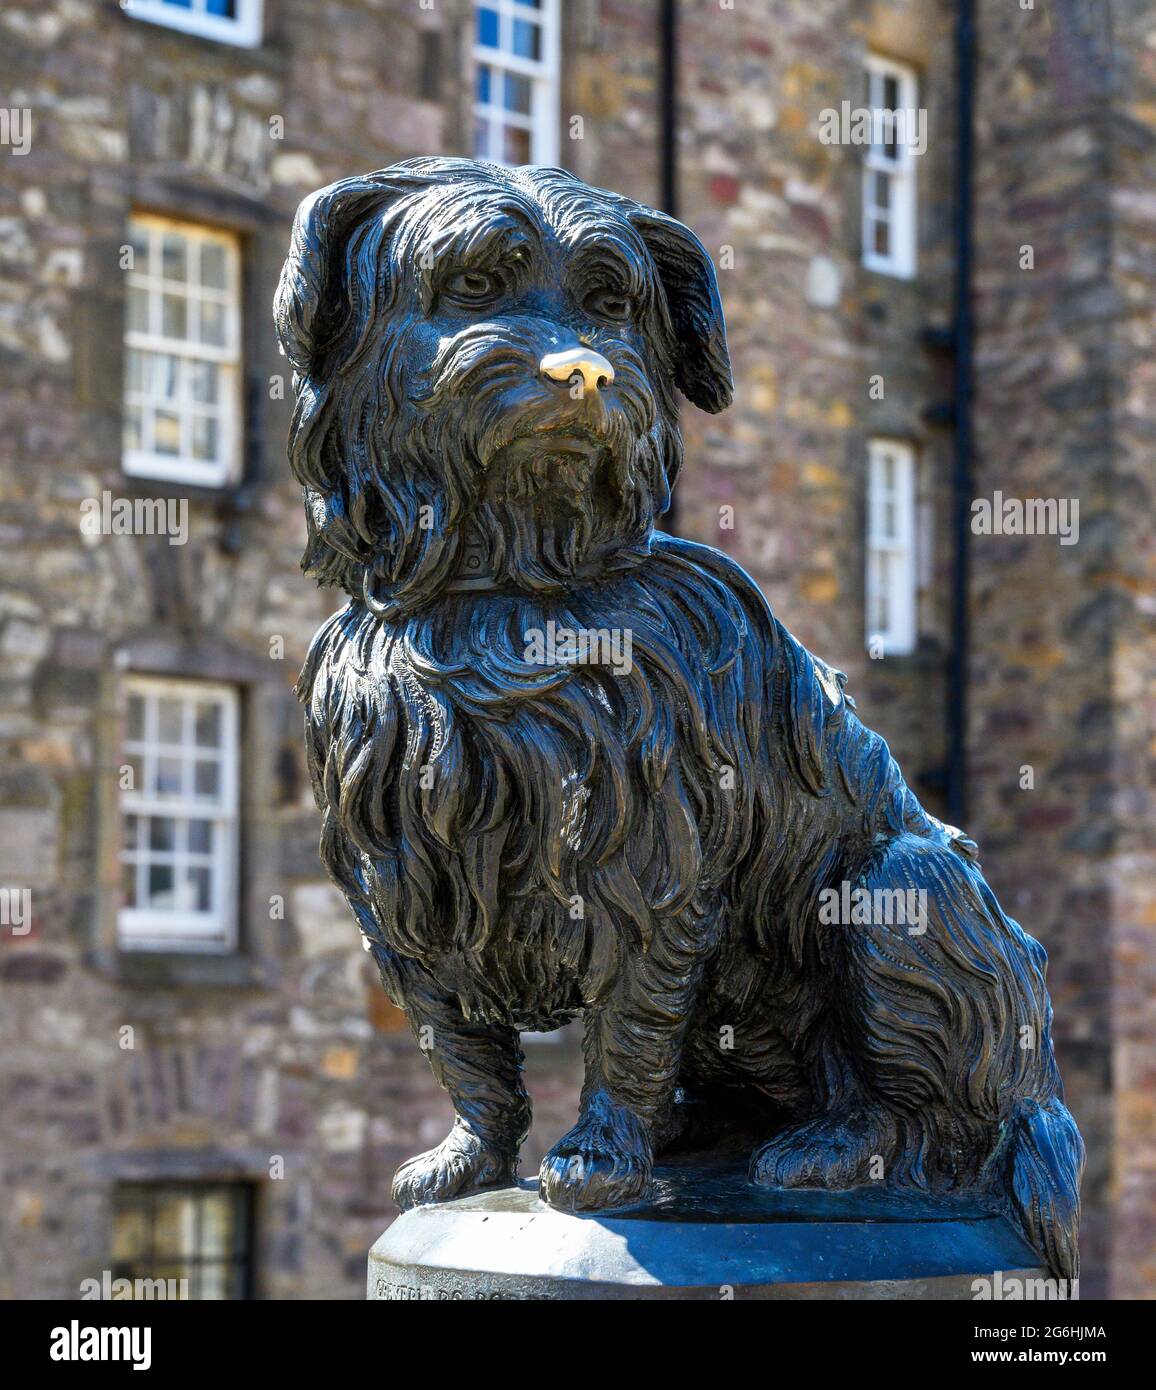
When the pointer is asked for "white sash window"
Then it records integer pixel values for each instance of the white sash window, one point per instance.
(516, 91)
(889, 209)
(179, 826)
(182, 417)
(891, 555)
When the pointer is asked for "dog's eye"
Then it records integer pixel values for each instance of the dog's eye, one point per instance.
(616, 307)
(472, 286)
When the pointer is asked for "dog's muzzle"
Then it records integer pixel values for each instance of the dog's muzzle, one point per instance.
(592, 369)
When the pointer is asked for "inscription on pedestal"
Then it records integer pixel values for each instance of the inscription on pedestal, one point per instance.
(429, 1293)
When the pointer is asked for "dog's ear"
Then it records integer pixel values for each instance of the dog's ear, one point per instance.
(333, 286)
(702, 364)
(312, 292)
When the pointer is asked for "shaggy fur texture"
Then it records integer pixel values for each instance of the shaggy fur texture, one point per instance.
(524, 840)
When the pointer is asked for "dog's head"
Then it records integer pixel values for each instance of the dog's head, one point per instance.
(485, 362)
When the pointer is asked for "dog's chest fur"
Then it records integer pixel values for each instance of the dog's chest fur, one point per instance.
(515, 821)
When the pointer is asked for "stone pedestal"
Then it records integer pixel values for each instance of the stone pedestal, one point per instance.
(706, 1234)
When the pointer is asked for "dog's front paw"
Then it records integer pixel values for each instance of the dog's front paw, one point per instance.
(605, 1161)
(463, 1162)
(838, 1151)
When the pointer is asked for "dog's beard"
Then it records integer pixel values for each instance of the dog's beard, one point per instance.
(553, 510)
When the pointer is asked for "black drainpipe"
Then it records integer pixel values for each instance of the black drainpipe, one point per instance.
(668, 146)
(668, 106)
(959, 665)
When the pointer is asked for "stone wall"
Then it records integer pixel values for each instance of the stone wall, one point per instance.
(290, 1051)
(1130, 574)
(1060, 735)
(1042, 667)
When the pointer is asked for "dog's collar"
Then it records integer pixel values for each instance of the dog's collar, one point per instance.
(474, 574)
(473, 570)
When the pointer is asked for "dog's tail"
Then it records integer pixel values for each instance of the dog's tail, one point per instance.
(1046, 1164)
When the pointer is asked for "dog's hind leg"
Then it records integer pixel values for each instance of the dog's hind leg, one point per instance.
(480, 1066)
(940, 1059)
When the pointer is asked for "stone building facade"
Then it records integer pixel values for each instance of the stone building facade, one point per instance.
(266, 1091)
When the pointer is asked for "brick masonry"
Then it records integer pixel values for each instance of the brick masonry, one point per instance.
(290, 1051)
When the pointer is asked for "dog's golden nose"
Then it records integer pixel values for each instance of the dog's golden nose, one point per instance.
(591, 367)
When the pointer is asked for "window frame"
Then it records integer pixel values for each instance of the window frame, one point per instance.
(900, 634)
(543, 73)
(239, 1261)
(181, 468)
(243, 31)
(902, 214)
(145, 929)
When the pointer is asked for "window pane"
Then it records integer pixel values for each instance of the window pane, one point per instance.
(135, 370)
(174, 1224)
(170, 720)
(227, 9)
(174, 258)
(204, 381)
(197, 895)
(204, 437)
(166, 375)
(882, 239)
(212, 323)
(883, 191)
(488, 27)
(217, 1225)
(208, 726)
(481, 138)
(166, 433)
(128, 834)
(160, 885)
(882, 596)
(138, 309)
(214, 266)
(516, 146)
(128, 885)
(214, 1282)
(519, 91)
(207, 780)
(168, 776)
(174, 316)
(162, 833)
(200, 837)
(483, 83)
(527, 39)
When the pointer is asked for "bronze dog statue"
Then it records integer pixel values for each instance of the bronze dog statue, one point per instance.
(486, 430)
